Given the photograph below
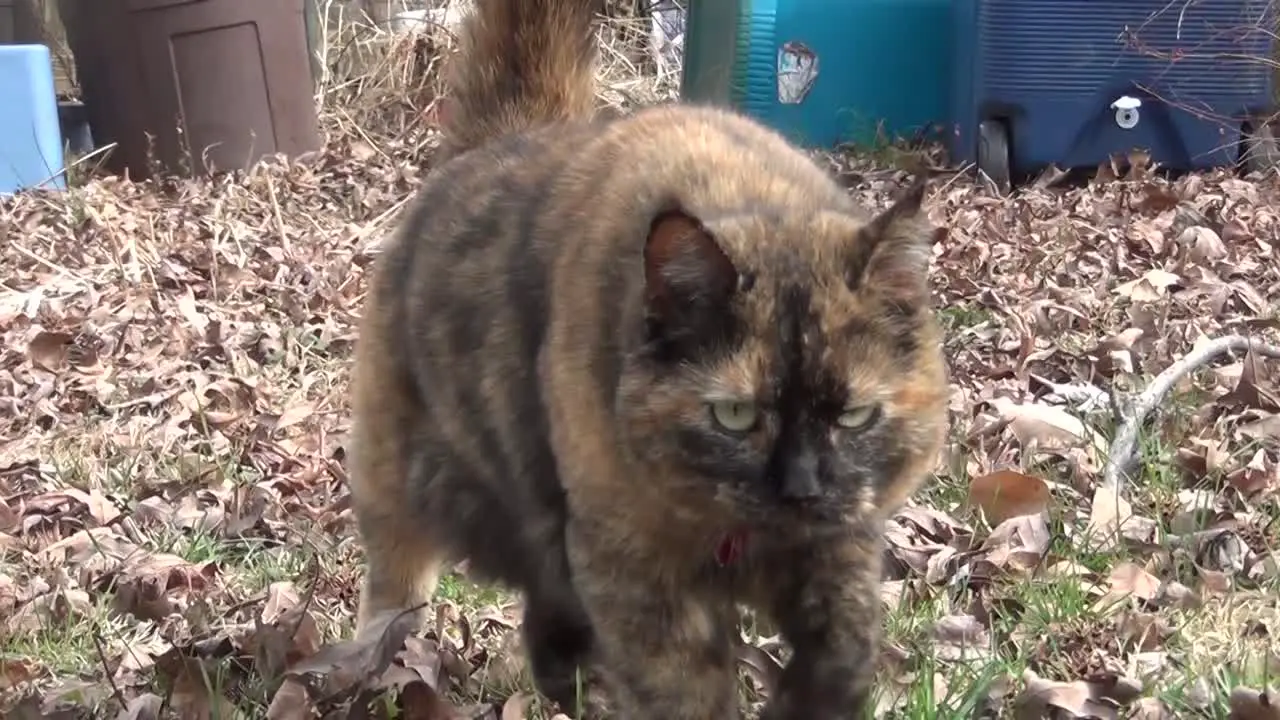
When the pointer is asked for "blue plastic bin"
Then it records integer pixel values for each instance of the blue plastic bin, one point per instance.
(30, 136)
(882, 65)
(1072, 82)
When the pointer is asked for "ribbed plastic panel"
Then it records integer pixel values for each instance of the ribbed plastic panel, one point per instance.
(30, 138)
(1207, 50)
(758, 47)
(862, 68)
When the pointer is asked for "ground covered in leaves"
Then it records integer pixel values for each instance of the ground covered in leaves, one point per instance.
(174, 526)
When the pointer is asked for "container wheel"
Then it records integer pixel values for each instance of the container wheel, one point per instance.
(993, 153)
(1260, 150)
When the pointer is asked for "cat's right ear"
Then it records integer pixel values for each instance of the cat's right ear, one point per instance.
(684, 264)
(688, 278)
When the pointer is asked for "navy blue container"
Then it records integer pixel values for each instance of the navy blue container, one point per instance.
(1072, 82)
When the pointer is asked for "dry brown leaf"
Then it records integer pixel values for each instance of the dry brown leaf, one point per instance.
(293, 415)
(1213, 582)
(1203, 244)
(1112, 520)
(285, 633)
(1235, 231)
(1145, 632)
(429, 661)
(961, 638)
(1115, 354)
(10, 597)
(341, 666)
(56, 607)
(18, 671)
(153, 586)
(1258, 476)
(1131, 579)
(1151, 709)
(1250, 392)
(516, 706)
(419, 702)
(1265, 428)
(8, 517)
(1249, 704)
(941, 565)
(291, 702)
(1151, 666)
(48, 350)
(1267, 567)
(1008, 493)
(101, 509)
(197, 692)
(937, 525)
(1079, 699)
(1202, 458)
(1019, 543)
(1199, 694)
(1152, 286)
(892, 593)
(1194, 509)
(147, 706)
(1042, 426)
(282, 597)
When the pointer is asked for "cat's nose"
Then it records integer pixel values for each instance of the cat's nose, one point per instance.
(800, 482)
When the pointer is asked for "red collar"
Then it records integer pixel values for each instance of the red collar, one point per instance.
(731, 547)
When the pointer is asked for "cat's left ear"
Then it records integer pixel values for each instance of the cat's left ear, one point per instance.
(890, 254)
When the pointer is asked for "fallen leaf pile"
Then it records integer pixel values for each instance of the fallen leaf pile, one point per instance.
(1060, 305)
(174, 525)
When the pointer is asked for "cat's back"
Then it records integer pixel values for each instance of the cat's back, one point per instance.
(452, 428)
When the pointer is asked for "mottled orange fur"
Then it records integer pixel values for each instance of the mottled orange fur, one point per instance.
(542, 377)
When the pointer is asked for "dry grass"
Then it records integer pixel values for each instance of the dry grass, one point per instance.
(173, 372)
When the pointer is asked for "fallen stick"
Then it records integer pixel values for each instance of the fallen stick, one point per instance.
(1123, 454)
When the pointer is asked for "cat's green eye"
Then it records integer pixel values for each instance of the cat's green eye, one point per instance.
(858, 418)
(734, 415)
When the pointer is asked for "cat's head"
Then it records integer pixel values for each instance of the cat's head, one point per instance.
(791, 363)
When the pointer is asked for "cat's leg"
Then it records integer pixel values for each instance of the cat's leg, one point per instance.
(387, 468)
(402, 567)
(666, 652)
(393, 505)
(559, 640)
(827, 604)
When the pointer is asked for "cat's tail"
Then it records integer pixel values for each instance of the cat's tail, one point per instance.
(521, 64)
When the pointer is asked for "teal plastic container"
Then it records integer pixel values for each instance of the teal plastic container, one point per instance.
(824, 72)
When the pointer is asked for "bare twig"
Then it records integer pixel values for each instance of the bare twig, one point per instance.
(313, 571)
(100, 647)
(1123, 454)
(282, 229)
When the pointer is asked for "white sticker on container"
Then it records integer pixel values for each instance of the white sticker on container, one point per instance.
(797, 71)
